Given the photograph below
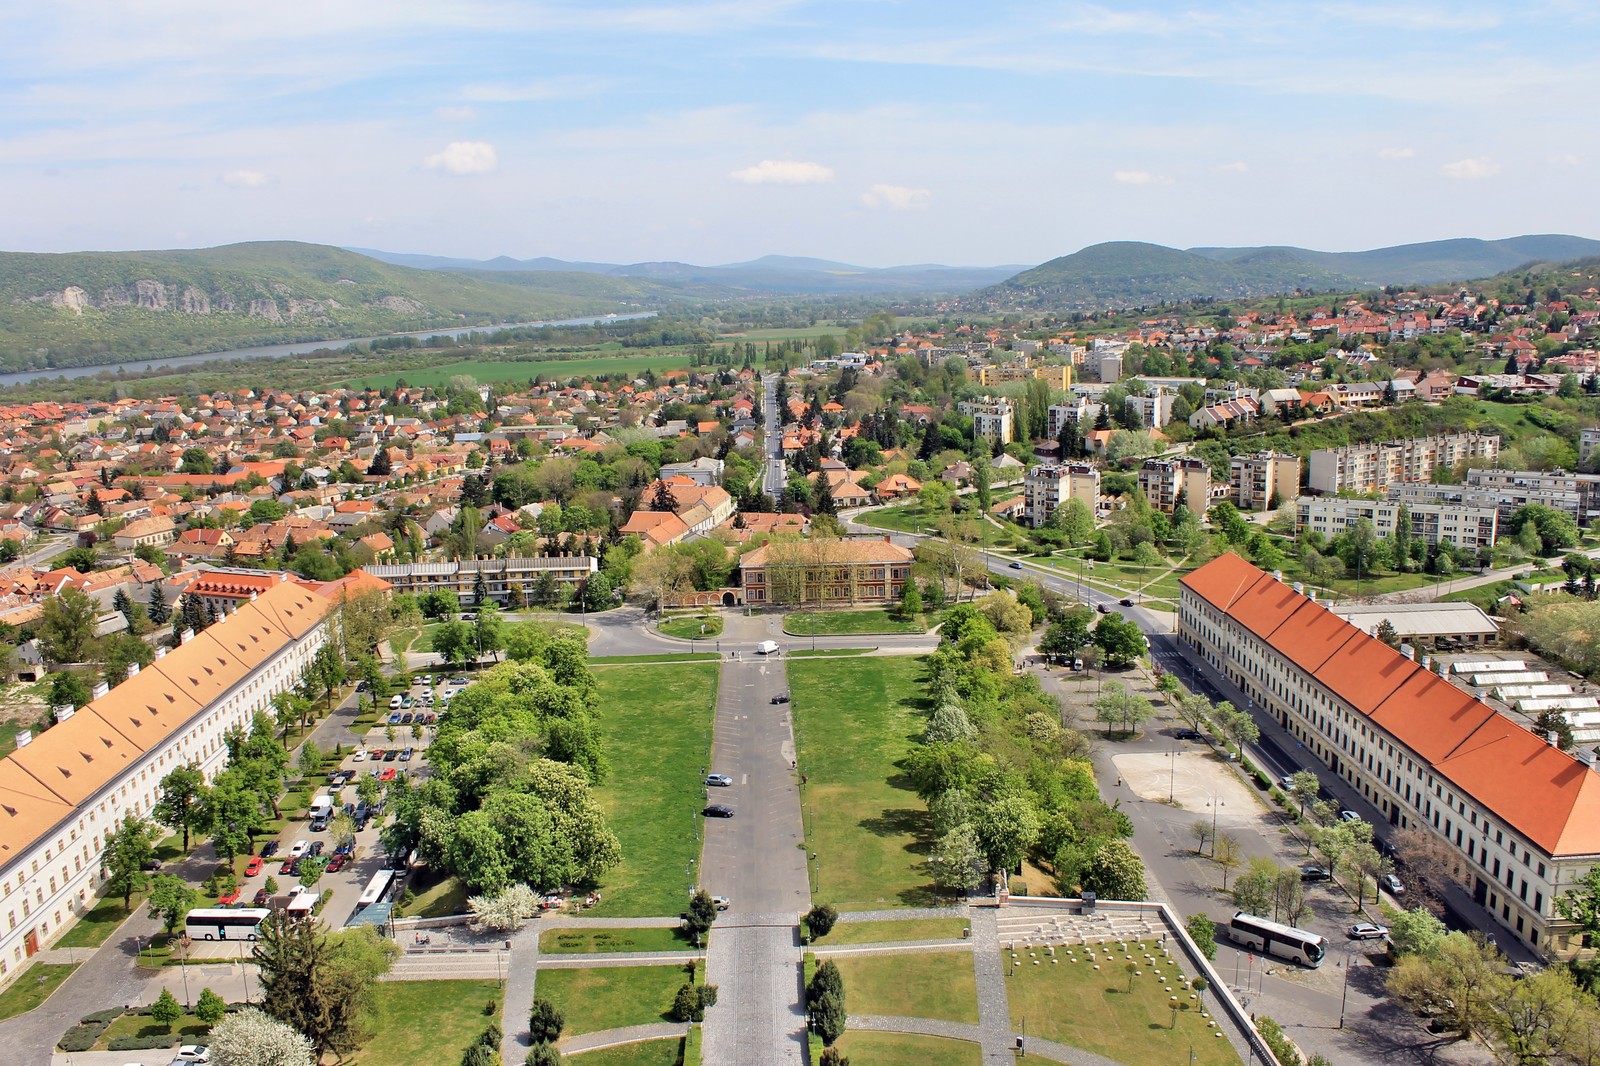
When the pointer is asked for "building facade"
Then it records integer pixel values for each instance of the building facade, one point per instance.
(1058, 377)
(1255, 481)
(461, 576)
(1522, 815)
(1166, 482)
(64, 791)
(990, 418)
(1050, 485)
(1465, 527)
(1372, 468)
(825, 572)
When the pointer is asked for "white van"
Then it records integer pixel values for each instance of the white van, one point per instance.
(321, 808)
(766, 647)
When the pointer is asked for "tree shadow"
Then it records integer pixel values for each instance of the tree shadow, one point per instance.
(899, 821)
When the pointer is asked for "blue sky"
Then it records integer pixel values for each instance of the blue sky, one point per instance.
(871, 131)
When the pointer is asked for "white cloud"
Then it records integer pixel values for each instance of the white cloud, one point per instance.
(1469, 169)
(455, 114)
(1566, 159)
(463, 157)
(1235, 168)
(784, 172)
(244, 179)
(897, 198)
(1396, 153)
(1141, 177)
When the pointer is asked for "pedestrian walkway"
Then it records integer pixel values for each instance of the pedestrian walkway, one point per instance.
(632, 1034)
(994, 1005)
(1094, 927)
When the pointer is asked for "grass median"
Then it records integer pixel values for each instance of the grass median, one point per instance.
(611, 997)
(855, 720)
(32, 987)
(932, 984)
(428, 1021)
(907, 1049)
(642, 1053)
(850, 623)
(591, 941)
(657, 726)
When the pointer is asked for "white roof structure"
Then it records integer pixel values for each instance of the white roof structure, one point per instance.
(1426, 620)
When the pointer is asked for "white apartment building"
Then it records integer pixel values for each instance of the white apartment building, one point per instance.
(1523, 815)
(64, 791)
(1154, 407)
(1588, 441)
(1050, 485)
(1166, 481)
(1578, 494)
(990, 418)
(1370, 468)
(1465, 527)
(1254, 481)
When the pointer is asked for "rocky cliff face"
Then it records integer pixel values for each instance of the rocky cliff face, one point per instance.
(278, 304)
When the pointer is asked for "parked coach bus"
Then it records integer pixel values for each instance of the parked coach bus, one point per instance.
(1273, 938)
(224, 923)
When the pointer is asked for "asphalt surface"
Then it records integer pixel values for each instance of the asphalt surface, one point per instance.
(776, 474)
(757, 859)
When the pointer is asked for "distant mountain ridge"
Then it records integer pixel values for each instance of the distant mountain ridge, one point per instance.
(1132, 273)
(770, 274)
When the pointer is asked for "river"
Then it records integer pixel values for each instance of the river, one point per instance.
(278, 351)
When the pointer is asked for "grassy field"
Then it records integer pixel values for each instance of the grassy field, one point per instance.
(427, 1021)
(936, 984)
(900, 517)
(185, 1029)
(97, 924)
(657, 723)
(693, 626)
(890, 932)
(1074, 1004)
(590, 941)
(835, 623)
(610, 997)
(486, 372)
(907, 1049)
(33, 988)
(855, 719)
(437, 897)
(643, 1053)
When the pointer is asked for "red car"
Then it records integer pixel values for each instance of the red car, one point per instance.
(336, 863)
(288, 865)
(252, 867)
(229, 899)
(387, 775)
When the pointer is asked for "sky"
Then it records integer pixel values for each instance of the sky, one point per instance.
(875, 132)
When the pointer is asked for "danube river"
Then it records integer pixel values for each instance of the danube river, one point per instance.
(278, 351)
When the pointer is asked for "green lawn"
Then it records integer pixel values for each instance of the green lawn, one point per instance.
(1072, 1003)
(935, 984)
(185, 1029)
(97, 924)
(900, 517)
(428, 1021)
(908, 1049)
(610, 997)
(590, 941)
(693, 626)
(831, 623)
(437, 897)
(33, 987)
(855, 719)
(657, 723)
(890, 932)
(643, 1053)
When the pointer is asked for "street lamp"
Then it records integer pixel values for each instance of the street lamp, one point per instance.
(1172, 775)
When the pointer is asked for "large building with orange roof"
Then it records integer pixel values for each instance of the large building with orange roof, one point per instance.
(64, 791)
(1523, 815)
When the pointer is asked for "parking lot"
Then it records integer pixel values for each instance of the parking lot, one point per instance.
(396, 746)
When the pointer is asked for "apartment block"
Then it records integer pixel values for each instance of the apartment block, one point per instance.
(1057, 377)
(990, 418)
(1581, 492)
(1465, 527)
(1523, 815)
(1371, 468)
(1167, 481)
(1154, 408)
(461, 575)
(1050, 485)
(63, 792)
(1588, 441)
(1254, 481)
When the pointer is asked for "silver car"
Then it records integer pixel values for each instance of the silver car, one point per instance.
(719, 780)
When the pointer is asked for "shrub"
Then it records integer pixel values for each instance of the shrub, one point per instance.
(1282, 1049)
(820, 919)
(492, 1036)
(80, 1037)
(1203, 931)
(102, 1017)
(686, 1005)
(545, 1021)
(139, 1043)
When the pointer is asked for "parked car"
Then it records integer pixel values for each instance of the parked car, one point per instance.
(405, 756)
(269, 849)
(1188, 734)
(391, 755)
(719, 780)
(722, 903)
(1349, 816)
(253, 867)
(1315, 873)
(359, 756)
(299, 848)
(316, 848)
(394, 703)
(394, 719)
(1393, 885)
(195, 1053)
(718, 810)
(387, 775)
(228, 899)
(784, 698)
(261, 898)
(1367, 931)
(336, 863)
(377, 755)
(152, 864)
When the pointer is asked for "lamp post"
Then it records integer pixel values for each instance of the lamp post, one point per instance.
(1172, 775)
(1344, 991)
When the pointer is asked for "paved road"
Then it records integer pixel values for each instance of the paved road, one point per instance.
(757, 859)
(775, 474)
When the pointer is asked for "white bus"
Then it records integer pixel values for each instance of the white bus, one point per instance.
(1274, 938)
(376, 888)
(224, 923)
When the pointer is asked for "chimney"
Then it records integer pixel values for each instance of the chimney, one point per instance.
(63, 711)
(1408, 651)
(100, 689)
(1299, 587)
(24, 738)
(1311, 594)
(1277, 575)
(185, 636)
(133, 668)
(1552, 738)
(161, 651)
(1584, 755)
(1426, 662)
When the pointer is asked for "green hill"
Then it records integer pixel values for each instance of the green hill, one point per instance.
(90, 308)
